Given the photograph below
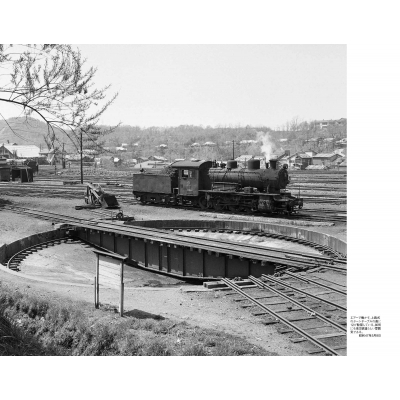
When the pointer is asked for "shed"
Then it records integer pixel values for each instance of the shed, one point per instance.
(4, 170)
(325, 159)
(22, 174)
(302, 160)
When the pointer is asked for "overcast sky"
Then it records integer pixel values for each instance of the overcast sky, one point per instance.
(168, 85)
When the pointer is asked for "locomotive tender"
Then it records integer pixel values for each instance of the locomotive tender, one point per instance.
(202, 184)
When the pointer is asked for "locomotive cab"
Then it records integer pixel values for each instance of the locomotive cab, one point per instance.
(192, 177)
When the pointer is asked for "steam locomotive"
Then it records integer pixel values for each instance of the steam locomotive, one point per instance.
(203, 184)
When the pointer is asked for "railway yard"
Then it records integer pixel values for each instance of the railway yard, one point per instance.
(281, 281)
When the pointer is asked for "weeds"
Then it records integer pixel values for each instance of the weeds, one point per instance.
(31, 325)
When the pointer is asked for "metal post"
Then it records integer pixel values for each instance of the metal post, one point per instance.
(97, 282)
(63, 158)
(121, 299)
(81, 158)
(95, 291)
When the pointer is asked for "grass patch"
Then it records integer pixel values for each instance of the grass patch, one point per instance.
(33, 325)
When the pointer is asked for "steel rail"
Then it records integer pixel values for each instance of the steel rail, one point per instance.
(307, 280)
(74, 192)
(148, 233)
(96, 225)
(28, 249)
(73, 220)
(280, 318)
(333, 268)
(327, 280)
(270, 249)
(297, 290)
(320, 247)
(305, 308)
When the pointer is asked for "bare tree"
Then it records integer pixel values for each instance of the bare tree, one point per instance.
(51, 82)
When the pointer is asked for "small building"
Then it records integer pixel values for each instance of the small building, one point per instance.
(249, 141)
(17, 151)
(323, 123)
(341, 143)
(342, 152)
(310, 153)
(157, 158)
(4, 170)
(195, 144)
(242, 160)
(146, 165)
(22, 174)
(327, 159)
(300, 160)
(209, 144)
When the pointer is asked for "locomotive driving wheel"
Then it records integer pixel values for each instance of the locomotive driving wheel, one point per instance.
(202, 202)
(218, 206)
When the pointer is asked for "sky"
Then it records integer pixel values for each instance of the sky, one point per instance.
(170, 85)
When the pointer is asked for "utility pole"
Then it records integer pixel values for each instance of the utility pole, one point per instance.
(233, 149)
(63, 157)
(81, 158)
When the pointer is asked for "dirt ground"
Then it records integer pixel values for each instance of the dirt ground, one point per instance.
(148, 292)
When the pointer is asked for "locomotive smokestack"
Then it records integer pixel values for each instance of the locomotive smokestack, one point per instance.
(273, 163)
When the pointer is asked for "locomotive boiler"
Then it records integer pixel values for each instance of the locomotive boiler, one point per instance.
(201, 184)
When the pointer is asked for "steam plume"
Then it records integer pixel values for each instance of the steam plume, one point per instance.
(266, 144)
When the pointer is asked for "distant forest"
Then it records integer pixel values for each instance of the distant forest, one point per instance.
(178, 140)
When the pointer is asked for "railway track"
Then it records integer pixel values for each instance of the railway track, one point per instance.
(282, 258)
(125, 197)
(14, 262)
(300, 308)
(321, 248)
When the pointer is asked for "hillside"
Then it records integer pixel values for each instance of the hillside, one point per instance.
(25, 131)
(187, 141)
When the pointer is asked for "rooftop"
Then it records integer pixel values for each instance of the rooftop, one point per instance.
(29, 151)
(325, 155)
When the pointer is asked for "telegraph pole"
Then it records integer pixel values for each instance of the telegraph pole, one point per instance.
(233, 149)
(81, 158)
(63, 157)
